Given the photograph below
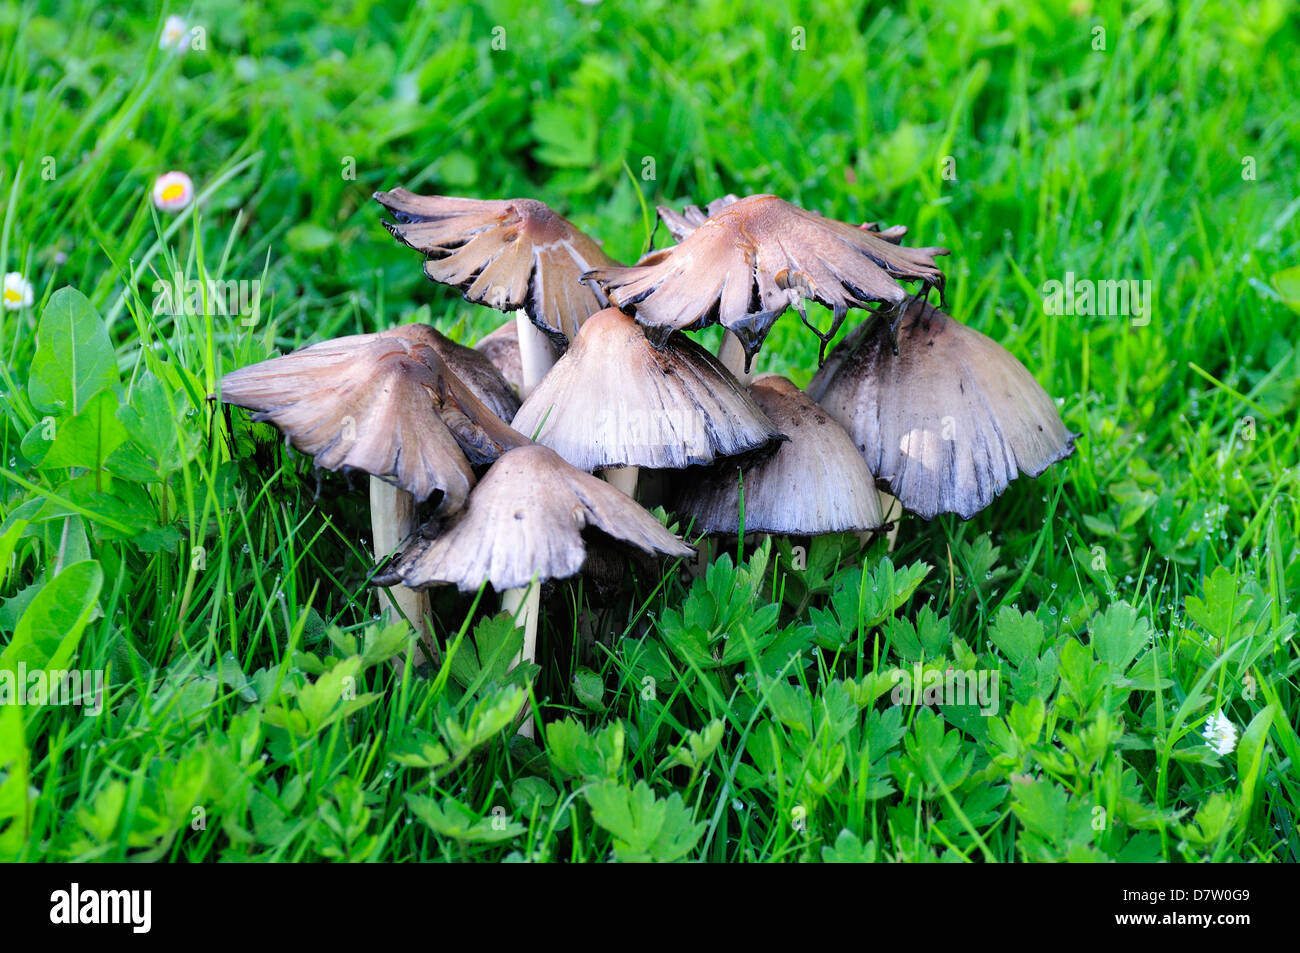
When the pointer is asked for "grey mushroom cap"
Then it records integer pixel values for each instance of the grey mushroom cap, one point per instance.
(507, 254)
(385, 404)
(614, 400)
(815, 483)
(526, 521)
(949, 420)
(501, 347)
(473, 367)
(755, 257)
(680, 224)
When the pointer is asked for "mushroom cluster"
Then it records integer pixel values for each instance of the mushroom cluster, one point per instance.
(505, 445)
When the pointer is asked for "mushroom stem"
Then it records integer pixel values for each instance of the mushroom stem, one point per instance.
(893, 511)
(392, 517)
(732, 356)
(524, 605)
(535, 354)
(731, 353)
(622, 478)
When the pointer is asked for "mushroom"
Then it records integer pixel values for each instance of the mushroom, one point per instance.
(614, 402)
(681, 224)
(948, 419)
(753, 258)
(524, 525)
(512, 255)
(814, 483)
(473, 367)
(690, 218)
(385, 404)
(732, 352)
(501, 347)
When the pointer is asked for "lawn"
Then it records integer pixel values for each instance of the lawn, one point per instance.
(1127, 606)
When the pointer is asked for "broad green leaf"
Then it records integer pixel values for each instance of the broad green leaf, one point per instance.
(419, 749)
(99, 819)
(590, 688)
(1018, 635)
(48, 632)
(848, 849)
(15, 817)
(332, 696)
(644, 827)
(84, 440)
(1250, 757)
(158, 443)
(1287, 283)
(490, 655)
(310, 239)
(8, 542)
(698, 745)
(74, 355)
(1223, 606)
(530, 791)
(383, 642)
(488, 718)
(574, 752)
(1118, 635)
(451, 818)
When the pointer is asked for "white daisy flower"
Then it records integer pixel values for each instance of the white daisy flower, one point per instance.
(175, 35)
(1220, 733)
(18, 292)
(173, 191)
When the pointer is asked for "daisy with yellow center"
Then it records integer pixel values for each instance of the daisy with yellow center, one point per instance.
(17, 292)
(173, 191)
(175, 35)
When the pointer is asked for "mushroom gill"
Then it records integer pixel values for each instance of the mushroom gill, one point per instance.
(755, 257)
(509, 254)
(948, 419)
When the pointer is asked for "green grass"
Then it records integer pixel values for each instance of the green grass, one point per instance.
(1124, 598)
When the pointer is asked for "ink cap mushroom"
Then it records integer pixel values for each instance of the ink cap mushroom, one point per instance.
(753, 258)
(526, 523)
(616, 402)
(815, 482)
(941, 413)
(385, 404)
(510, 254)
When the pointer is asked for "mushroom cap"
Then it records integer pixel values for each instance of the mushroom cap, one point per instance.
(385, 404)
(472, 367)
(525, 520)
(680, 224)
(501, 347)
(745, 264)
(815, 483)
(507, 254)
(614, 400)
(949, 421)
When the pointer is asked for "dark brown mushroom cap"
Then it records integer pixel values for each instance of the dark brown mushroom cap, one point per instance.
(754, 258)
(472, 367)
(385, 404)
(815, 483)
(615, 400)
(501, 347)
(507, 254)
(526, 520)
(949, 421)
